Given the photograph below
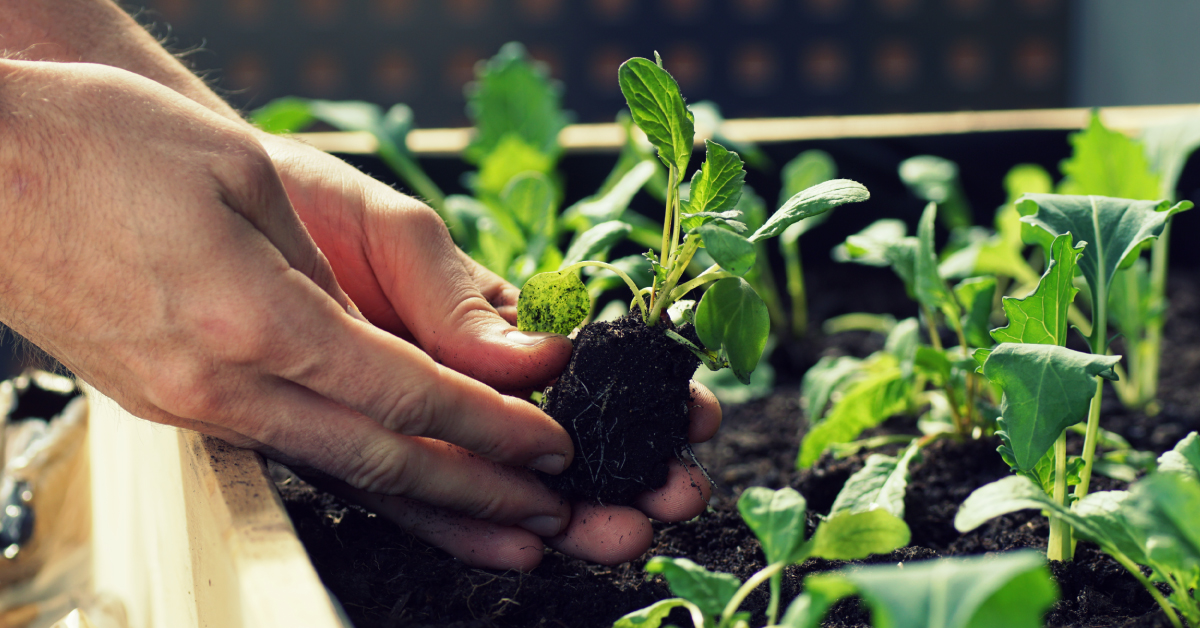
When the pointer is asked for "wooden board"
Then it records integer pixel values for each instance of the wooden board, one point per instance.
(189, 531)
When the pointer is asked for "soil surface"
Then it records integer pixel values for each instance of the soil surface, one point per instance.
(384, 577)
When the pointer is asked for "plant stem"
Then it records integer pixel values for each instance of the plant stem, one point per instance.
(970, 390)
(746, 588)
(1148, 377)
(947, 386)
(1150, 588)
(1089, 441)
(708, 276)
(676, 269)
(1059, 547)
(664, 253)
(620, 273)
(413, 175)
(795, 286)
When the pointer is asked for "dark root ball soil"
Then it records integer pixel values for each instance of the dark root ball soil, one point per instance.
(624, 400)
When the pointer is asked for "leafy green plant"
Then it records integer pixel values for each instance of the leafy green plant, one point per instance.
(731, 319)
(809, 168)
(1151, 524)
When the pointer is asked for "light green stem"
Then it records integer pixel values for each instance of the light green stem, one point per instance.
(705, 277)
(1089, 441)
(1148, 375)
(748, 586)
(412, 174)
(795, 286)
(1150, 588)
(677, 267)
(620, 273)
(1060, 547)
(664, 253)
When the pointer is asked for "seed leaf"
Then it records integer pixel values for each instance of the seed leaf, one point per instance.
(813, 201)
(850, 536)
(595, 242)
(880, 484)
(777, 518)
(708, 590)
(732, 320)
(555, 302)
(931, 289)
(731, 251)
(935, 180)
(1046, 389)
(283, 115)
(717, 185)
(1041, 317)
(658, 110)
(881, 392)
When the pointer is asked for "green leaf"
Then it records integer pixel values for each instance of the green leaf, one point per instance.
(931, 289)
(1183, 458)
(652, 616)
(820, 593)
(717, 185)
(809, 168)
(658, 110)
(595, 242)
(1027, 179)
(613, 203)
(510, 157)
(283, 115)
(1165, 507)
(777, 518)
(1129, 307)
(731, 251)
(1046, 389)
(828, 375)
(555, 302)
(976, 295)
(513, 96)
(710, 591)
(849, 536)
(882, 392)
(813, 201)
(733, 321)
(1044, 472)
(883, 243)
(880, 484)
(935, 180)
(529, 198)
(1168, 147)
(1107, 163)
(1041, 317)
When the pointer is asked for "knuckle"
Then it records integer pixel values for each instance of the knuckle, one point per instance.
(488, 507)
(413, 410)
(384, 469)
(187, 389)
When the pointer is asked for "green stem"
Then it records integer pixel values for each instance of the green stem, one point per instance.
(1159, 258)
(708, 276)
(620, 273)
(664, 253)
(970, 390)
(1089, 441)
(746, 588)
(776, 593)
(1060, 547)
(795, 285)
(412, 174)
(677, 267)
(1150, 588)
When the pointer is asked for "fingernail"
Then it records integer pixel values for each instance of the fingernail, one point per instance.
(543, 525)
(549, 463)
(528, 338)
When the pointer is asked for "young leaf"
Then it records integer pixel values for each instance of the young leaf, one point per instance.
(652, 616)
(811, 202)
(1164, 508)
(882, 392)
(710, 591)
(510, 157)
(777, 518)
(810, 606)
(1184, 458)
(717, 185)
(880, 484)
(1041, 317)
(514, 96)
(1043, 473)
(613, 203)
(555, 302)
(529, 198)
(931, 289)
(733, 321)
(976, 295)
(595, 242)
(826, 376)
(935, 180)
(807, 169)
(883, 243)
(283, 115)
(658, 110)
(1107, 163)
(849, 536)
(1046, 389)
(731, 251)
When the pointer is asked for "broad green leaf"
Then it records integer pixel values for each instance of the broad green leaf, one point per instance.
(1041, 317)
(880, 484)
(529, 198)
(809, 168)
(1046, 389)
(555, 302)
(882, 392)
(1107, 163)
(1025, 179)
(931, 289)
(935, 180)
(283, 115)
(717, 185)
(829, 374)
(658, 110)
(1168, 147)
(976, 295)
(652, 616)
(514, 96)
(1164, 509)
(731, 218)
(852, 535)
(1129, 307)
(1009, 590)
(510, 157)
(777, 518)
(595, 242)
(1043, 473)
(1184, 458)
(807, 610)
(708, 590)
(883, 243)
(733, 321)
(612, 204)
(813, 201)
(731, 251)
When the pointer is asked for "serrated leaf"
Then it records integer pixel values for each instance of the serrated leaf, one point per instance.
(652, 616)
(513, 95)
(555, 302)
(732, 320)
(829, 374)
(976, 295)
(717, 185)
(813, 201)
(880, 484)
(708, 590)
(777, 519)
(1183, 458)
(510, 157)
(1041, 317)
(731, 251)
(931, 289)
(882, 392)
(1107, 163)
(595, 242)
(1046, 389)
(852, 535)
(657, 106)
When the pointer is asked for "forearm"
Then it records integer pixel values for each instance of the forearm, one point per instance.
(97, 31)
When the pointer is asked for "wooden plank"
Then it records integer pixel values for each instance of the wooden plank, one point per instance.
(610, 137)
(189, 531)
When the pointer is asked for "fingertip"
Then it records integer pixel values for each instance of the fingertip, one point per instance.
(704, 412)
(685, 495)
(608, 535)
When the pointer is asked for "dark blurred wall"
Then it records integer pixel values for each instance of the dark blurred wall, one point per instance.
(752, 57)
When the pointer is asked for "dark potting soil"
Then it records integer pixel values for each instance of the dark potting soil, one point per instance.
(384, 577)
(623, 398)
